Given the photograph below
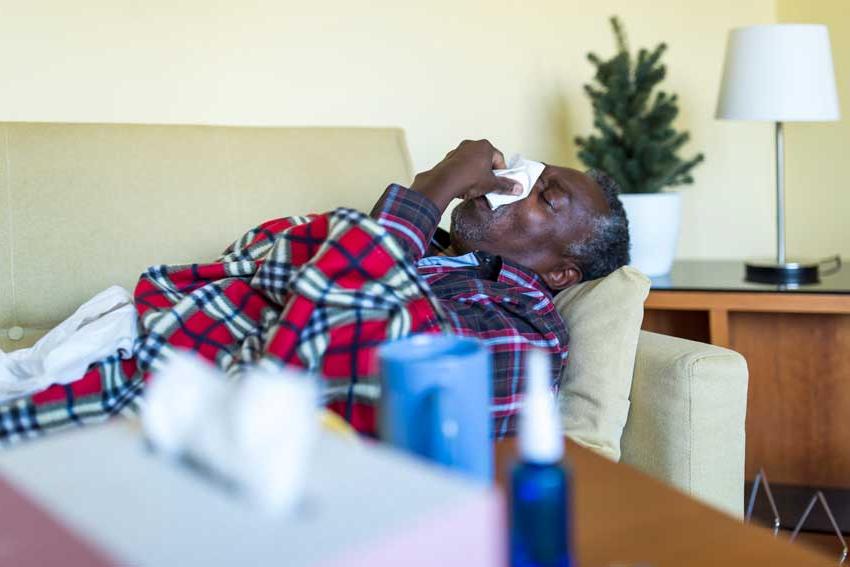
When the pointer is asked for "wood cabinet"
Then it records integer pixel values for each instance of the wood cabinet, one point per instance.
(797, 346)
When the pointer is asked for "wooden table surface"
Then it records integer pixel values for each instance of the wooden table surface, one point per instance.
(623, 517)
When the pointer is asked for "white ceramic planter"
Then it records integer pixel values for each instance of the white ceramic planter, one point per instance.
(654, 220)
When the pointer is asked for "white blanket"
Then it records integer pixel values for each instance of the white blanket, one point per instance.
(104, 325)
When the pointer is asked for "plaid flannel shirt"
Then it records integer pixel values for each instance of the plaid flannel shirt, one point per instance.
(502, 303)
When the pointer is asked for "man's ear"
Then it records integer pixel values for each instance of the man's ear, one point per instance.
(566, 274)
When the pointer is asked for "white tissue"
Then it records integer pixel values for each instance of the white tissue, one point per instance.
(104, 325)
(257, 432)
(523, 171)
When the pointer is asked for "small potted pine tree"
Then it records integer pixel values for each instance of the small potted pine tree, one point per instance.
(635, 142)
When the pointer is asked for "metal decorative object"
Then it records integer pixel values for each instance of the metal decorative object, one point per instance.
(819, 497)
(761, 477)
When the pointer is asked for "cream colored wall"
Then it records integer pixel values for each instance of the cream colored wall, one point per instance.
(443, 70)
(818, 155)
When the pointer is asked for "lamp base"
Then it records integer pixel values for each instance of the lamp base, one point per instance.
(793, 272)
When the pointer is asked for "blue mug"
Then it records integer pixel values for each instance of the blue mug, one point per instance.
(436, 392)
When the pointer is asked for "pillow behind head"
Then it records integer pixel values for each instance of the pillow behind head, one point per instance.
(603, 318)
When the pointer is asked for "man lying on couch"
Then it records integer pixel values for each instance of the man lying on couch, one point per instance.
(324, 291)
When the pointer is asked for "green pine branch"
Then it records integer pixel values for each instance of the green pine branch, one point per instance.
(634, 139)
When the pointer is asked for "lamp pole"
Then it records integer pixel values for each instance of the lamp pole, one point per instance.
(780, 196)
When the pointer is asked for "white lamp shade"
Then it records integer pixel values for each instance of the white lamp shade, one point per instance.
(778, 73)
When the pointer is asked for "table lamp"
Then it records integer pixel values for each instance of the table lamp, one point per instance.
(779, 73)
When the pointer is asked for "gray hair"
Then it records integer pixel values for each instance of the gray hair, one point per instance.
(607, 247)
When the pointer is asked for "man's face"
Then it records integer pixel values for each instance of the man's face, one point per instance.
(534, 231)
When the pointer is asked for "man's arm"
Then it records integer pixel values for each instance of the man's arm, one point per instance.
(411, 215)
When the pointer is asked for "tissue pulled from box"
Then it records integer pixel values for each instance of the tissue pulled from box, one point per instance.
(525, 172)
(256, 432)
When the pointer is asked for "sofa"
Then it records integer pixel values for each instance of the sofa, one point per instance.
(84, 206)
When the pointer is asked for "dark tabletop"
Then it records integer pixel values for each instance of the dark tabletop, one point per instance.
(725, 275)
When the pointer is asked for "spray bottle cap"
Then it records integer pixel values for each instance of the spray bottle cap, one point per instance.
(540, 439)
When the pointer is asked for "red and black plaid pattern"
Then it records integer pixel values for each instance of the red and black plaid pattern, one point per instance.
(318, 292)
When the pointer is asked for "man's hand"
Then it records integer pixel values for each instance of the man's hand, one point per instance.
(465, 173)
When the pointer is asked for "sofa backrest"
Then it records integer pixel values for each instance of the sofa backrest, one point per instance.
(84, 206)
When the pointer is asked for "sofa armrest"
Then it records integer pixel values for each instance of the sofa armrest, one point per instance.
(686, 420)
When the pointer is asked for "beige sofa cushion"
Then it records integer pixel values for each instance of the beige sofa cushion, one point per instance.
(603, 318)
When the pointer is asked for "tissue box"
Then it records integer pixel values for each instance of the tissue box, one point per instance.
(101, 490)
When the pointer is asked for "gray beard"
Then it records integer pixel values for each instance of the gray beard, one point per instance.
(465, 232)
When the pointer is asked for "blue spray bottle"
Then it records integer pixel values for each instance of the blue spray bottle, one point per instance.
(540, 530)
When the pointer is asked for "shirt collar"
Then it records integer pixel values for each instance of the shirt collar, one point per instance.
(514, 273)
(511, 272)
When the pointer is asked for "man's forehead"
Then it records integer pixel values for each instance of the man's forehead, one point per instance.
(567, 173)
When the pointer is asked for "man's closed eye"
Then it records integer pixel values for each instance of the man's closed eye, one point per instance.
(547, 200)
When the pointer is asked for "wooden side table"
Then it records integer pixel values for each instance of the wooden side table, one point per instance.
(797, 345)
